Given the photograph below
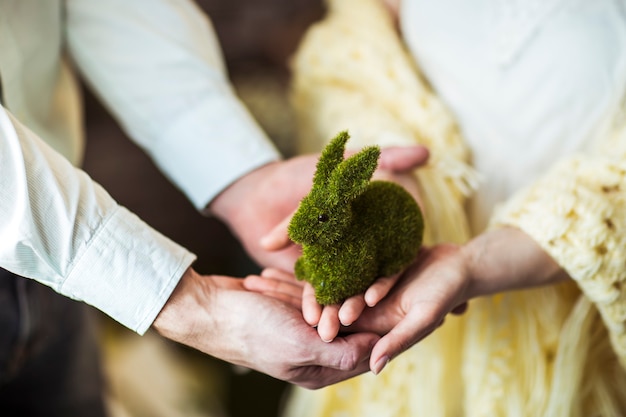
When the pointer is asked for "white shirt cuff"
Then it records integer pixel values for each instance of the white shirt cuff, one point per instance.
(143, 268)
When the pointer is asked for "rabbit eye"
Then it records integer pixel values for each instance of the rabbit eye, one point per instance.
(322, 218)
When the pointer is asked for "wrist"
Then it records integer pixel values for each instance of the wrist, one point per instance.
(180, 315)
(227, 204)
(508, 259)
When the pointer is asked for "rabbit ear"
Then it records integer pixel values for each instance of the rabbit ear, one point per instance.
(331, 157)
(352, 176)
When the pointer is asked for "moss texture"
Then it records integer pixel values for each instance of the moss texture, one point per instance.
(353, 230)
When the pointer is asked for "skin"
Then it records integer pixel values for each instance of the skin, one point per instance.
(445, 277)
(217, 315)
(328, 319)
(405, 309)
(274, 192)
(441, 281)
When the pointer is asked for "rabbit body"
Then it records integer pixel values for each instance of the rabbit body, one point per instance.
(353, 230)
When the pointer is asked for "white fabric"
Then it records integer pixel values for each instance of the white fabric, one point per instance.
(527, 80)
(157, 66)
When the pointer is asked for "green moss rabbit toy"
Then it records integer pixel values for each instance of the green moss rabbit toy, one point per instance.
(353, 230)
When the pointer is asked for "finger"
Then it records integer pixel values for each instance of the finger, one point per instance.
(295, 302)
(399, 158)
(311, 310)
(284, 259)
(409, 331)
(281, 275)
(403, 158)
(379, 289)
(227, 282)
(351, 309)
(344, 358)
(266, 285)
(277, 238)
(329, 325)
(345, 352)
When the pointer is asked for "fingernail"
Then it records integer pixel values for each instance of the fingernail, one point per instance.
(380, 365)
(345, 323)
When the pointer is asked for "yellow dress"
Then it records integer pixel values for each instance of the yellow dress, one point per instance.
(553, 351)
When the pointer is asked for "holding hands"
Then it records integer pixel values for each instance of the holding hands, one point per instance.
(389, 317)
(219, 316)
(405, 309)
(348, 228)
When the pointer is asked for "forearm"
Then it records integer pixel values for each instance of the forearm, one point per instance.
(63, 230)
(207, 313)
(162, 76)
(175, 320)
(507, 259)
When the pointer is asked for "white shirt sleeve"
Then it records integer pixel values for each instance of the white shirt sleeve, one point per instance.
(158, 67)
(63, 230)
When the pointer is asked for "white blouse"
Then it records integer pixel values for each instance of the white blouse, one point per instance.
(528, 81)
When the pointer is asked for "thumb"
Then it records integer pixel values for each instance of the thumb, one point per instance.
(347, 353)
(277, 238)
(403, 158)
(408, 332)
(343, 358)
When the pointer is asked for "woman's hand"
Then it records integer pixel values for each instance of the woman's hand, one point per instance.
(436, 284)
(445, 277)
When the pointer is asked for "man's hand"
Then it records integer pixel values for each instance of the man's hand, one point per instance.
(258, 206)
(258, 201)
(217, 316)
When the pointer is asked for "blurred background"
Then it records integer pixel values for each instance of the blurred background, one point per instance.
(149, 376)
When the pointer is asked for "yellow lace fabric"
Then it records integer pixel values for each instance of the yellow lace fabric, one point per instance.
(542, 352)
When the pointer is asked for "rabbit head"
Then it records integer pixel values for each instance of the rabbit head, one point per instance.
(325, 214)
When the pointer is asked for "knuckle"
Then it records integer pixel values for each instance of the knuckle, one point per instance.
(348, 361)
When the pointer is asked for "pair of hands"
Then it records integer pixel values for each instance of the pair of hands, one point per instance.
(264, 329)
(406, 308)
(219, 316)
(403, 309)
